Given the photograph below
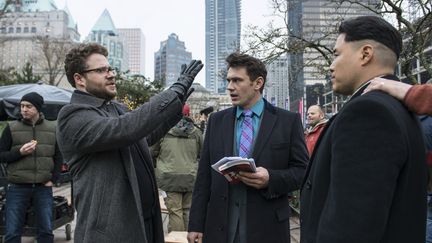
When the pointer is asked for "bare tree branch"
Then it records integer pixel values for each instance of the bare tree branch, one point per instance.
(50, 56)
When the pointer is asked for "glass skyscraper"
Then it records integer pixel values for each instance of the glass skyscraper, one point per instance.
(169, 58)
(223, 27)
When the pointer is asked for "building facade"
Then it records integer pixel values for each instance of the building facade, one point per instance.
(223, 29)
(169, 58)
(320, 19)
(134, 41)
(315, 21)
(105, 33)
(276, 90)
(31, 31)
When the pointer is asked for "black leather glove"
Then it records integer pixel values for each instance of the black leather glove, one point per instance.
(186, 78)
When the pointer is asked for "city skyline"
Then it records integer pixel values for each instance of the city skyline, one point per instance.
(158, 19)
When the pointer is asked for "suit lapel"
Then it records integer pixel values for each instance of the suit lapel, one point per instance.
(267, 123)
(228, 132)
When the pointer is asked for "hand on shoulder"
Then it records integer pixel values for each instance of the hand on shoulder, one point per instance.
(394, 88)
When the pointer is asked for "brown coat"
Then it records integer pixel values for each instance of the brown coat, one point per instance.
(419, 99)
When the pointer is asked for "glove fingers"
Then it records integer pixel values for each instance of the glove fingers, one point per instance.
(192, 66)
(188, 93)
(183, 68)
(197, 69)
(189, 67)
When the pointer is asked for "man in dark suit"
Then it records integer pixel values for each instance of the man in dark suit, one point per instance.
(366, 181)
(255, 210)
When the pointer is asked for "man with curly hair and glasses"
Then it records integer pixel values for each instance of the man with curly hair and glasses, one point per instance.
(106, 147)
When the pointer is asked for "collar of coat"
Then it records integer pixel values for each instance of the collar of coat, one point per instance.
(360, 90)
(314, 128)
(29, 122)
(80, 97)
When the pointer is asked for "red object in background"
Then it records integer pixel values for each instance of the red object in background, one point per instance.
(186, 110)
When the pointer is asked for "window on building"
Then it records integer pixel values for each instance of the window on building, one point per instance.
(120, 50)
(26, 29)
(33, 29)
(11, 30)
(3, 30)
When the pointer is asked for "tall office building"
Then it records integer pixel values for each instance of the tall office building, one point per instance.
(105, 33)
(135, 43)
(168, 60)
(316, 22)
(223, 29)
(295, 59)
(26, 27)
(320, 17)
(276, 90)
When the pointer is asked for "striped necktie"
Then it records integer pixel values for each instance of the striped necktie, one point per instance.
(246, 137)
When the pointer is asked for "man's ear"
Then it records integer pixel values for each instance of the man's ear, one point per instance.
(367, 53)
(79, 80)
(260, 83)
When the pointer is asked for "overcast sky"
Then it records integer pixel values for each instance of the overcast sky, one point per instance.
(159, 18)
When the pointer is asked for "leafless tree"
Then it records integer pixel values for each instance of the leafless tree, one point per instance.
(50, 56)
(414, 19)
(277, 37)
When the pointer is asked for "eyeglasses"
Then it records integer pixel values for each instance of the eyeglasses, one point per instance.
(101, 70)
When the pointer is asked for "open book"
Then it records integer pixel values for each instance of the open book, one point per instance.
(231, 166)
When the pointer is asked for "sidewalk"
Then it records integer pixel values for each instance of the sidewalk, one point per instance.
(60, 233)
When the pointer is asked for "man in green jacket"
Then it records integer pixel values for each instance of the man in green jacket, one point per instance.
(176, 166)
(29, 148)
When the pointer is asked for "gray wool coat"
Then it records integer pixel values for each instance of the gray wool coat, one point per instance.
(96, 145)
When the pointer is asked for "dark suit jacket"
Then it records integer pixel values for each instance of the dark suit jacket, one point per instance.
(279, 147)
(367, 178)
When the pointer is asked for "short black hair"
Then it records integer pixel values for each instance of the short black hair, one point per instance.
(254, 67)
(76, 58)
(372, 28)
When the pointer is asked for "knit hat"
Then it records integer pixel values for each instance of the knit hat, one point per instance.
(35, 99)
(186, 110)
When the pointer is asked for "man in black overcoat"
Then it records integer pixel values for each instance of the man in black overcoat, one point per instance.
(255, 210)
(366, 181)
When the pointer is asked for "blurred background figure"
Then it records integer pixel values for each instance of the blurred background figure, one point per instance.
(316, 123)
(29, 148)
(204, 114)
(177, 155)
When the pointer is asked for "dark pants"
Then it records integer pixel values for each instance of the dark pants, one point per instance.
(18, 198)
